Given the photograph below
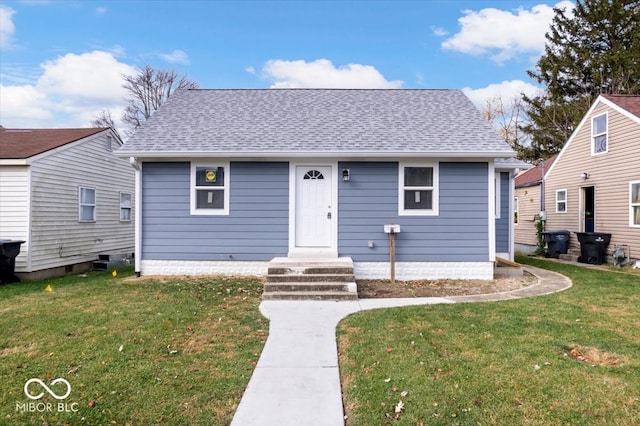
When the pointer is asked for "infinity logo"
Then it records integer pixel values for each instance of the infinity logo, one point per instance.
(46, 388)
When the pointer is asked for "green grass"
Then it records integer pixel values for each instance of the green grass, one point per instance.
(502, 363)
(135, 351)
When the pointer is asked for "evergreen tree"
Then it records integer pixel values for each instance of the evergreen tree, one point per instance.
(590, 50)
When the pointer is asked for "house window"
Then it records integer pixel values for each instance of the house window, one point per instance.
(210, 188)
(418, 192)
(561, 201)
(125, 207)
(599, 134)
(634, 204)
(313, 175)
(515, 210)
(86, 204)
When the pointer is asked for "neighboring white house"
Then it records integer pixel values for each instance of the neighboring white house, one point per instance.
(64, 193)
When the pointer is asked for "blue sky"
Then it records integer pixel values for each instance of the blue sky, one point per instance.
(61, 61)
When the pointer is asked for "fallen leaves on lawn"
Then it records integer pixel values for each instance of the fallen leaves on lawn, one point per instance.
(593, 356)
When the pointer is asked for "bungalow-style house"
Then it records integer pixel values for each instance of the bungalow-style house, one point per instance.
(528, 205)
(594, 184)
(228, 180)
(67, 196)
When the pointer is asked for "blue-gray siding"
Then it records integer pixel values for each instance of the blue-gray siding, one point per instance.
(502, 224)
(370, 200)
(255, 229)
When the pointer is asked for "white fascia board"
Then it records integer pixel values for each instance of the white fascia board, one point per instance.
(14, 162)
(512, 165)
(315, 154)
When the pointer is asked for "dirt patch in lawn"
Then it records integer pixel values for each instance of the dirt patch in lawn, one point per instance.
(593, 356)
(368, 289)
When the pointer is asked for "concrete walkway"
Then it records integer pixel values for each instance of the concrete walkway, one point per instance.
(297, 381)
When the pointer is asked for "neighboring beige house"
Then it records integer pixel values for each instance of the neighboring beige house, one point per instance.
(67, 196)
(527, 206)
(594, 184)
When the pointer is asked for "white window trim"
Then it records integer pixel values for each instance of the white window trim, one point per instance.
(593, 135)
(516, 210)
(130, 208)
(632, 204)
(434, 211)
(565, 201)
(94, 205)
(192, 189)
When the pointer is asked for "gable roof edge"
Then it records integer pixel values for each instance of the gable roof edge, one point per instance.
(69, 145)
(618, 108)
(593, 106)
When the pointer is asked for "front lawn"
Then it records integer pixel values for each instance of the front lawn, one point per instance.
(134, 351)
(567, 358)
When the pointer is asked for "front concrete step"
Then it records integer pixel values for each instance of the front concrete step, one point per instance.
(572, 255)
(308, 270)
(310, 279)
(310, 295)
(308, 286)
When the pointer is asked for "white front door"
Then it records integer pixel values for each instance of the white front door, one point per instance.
(313, 207)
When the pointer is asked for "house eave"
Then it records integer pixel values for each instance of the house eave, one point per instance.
(316, 154)
(529, 184)
(14, 162)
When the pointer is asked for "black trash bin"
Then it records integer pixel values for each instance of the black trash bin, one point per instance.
(557, 243)
(9, 250)
(593, 247)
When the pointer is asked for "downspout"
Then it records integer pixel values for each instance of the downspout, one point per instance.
(138, 214)
(512, 231)
(543, 214)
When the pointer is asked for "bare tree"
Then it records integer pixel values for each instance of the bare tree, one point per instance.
(103, 119)
(508, 119)
(148, 89)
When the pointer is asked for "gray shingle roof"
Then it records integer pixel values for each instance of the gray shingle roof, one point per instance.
(271, 122)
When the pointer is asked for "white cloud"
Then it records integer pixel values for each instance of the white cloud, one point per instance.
(95, 75)
(176, 57)
(70, 91)
(23, 106)
(507, 91)
(321, 73)
(7, 27)
(503, 34)
(101, 10)
(250, 70)
(440, 32)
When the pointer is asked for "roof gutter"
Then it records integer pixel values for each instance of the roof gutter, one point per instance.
(315, 154)
(14, 162)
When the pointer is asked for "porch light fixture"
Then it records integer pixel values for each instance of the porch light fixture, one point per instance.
(584, 175)
(345, 175)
